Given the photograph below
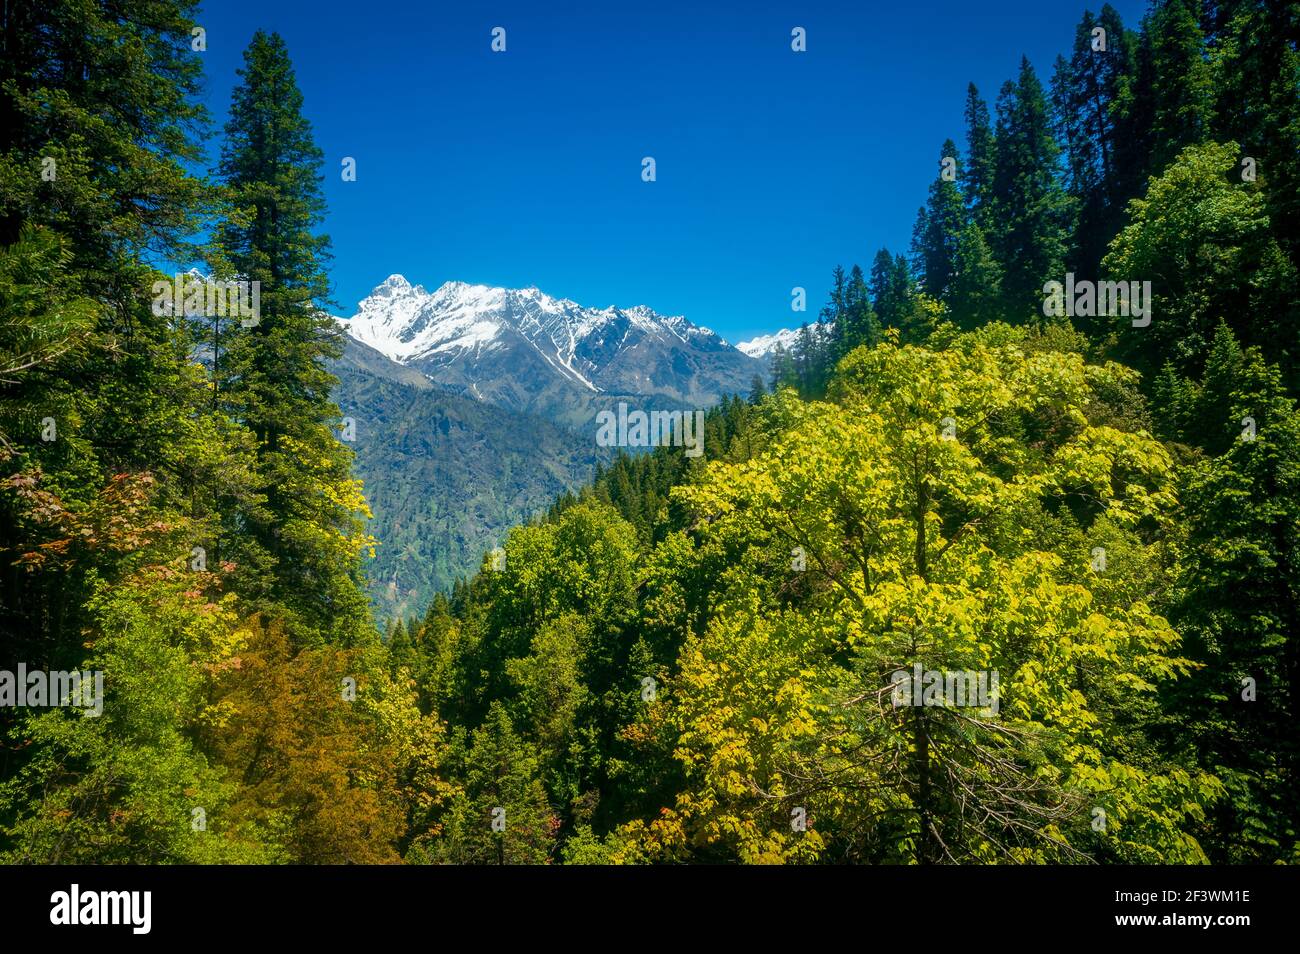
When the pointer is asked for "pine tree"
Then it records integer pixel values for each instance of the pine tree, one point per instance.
(784, 372)
(976, 294)
(805, 350)
(891, 289)
(977, 170)
(502, 816)
(1256, 81)
(823, 361)
(1197, 413)
(94, 150)
(939, 228)
(860, 325)
(110, 93)
(299, 552)
(833, 310)
(402, 651)
(1084, 92)
(1030, 210)
(1134, 112)
(1182, 96)
(1238, 608)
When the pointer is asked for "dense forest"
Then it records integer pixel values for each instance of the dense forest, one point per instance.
(960, 466)
(444, 475)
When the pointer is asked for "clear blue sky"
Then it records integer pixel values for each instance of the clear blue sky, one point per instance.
(524, 167)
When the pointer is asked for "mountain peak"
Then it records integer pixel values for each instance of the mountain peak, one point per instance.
(509, 343)
(406, 323)
(764, 346)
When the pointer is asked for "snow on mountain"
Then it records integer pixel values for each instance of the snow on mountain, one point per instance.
(522, 348)
(403, 321)
(409, 324)
(762, 346)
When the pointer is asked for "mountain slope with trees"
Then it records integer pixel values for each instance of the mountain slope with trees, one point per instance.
(688, 659)
(1120, 547)
(445, 476)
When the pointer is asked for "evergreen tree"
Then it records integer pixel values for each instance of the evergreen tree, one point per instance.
(1134, 112)
(94, 146)
(805, 350)
(1238, 607)
(1085, 89)
(299, 551)
(1195, 412)
(1256, 81)
(785, 374)
(1030, 210)
(976, 294)
(891, 289)
(1181, 94)
(977, 170)
(939, 229)
(860, 323)
(403, 653)
(833, 310)
(501, 817)
(110, 93)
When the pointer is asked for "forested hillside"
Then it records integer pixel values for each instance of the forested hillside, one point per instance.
(692, 660)
(444, 475)
(982, 461)
(193, 532)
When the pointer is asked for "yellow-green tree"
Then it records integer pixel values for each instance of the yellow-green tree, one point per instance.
(967, 510)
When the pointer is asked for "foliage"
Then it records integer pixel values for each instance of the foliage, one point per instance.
(688, 658)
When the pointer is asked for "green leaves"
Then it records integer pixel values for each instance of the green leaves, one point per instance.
(1203, 238)
(933, 545)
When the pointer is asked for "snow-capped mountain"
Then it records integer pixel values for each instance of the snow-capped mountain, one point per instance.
(762, 346)
(525, 350)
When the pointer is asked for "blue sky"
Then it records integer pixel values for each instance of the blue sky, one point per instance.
(524, 167)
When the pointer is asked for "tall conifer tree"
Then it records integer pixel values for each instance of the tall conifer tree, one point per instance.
(303, 544)
(977, 170)
(1030, 210)
(861, 326)
(893, 293)
(1182, 97)
(1084, 92)
(1256, 82)
(939, 228)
